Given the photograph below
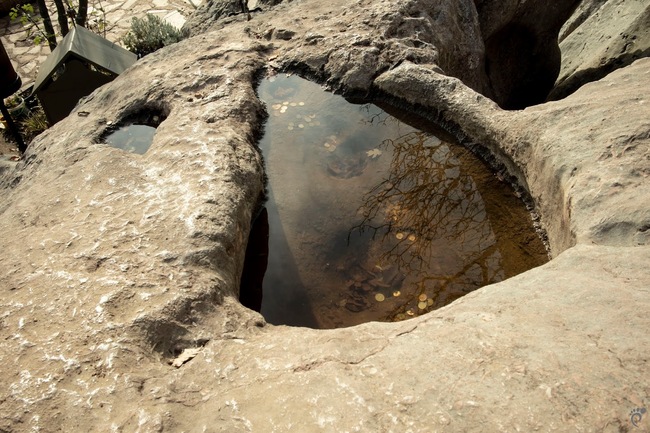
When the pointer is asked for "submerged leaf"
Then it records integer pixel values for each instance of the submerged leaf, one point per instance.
(374, 153)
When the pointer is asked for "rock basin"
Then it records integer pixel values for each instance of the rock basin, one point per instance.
(115, 270)
(370, 218)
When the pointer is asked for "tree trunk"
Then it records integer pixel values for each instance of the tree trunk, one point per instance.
(82, 13)
(62, 17)
(47, 24)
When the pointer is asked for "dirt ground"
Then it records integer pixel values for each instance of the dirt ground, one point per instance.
(8, 148)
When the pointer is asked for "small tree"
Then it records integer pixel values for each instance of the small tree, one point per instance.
(32, 24)
(40, 27)
(62, 17)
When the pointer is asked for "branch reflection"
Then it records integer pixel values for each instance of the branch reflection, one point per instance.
(431, 226)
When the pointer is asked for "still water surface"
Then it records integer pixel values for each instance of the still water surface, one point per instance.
(132, 138)
(371, 219)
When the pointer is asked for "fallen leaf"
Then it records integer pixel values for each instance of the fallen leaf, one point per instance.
(374, 153)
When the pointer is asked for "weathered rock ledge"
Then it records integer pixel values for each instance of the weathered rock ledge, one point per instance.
(115, 263)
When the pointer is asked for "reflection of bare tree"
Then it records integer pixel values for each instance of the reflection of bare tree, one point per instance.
(425, 198)
(437, 285)
(373, 115)
(427, 201)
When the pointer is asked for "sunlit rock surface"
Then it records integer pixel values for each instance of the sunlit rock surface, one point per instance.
(115, 265)
(602, 36)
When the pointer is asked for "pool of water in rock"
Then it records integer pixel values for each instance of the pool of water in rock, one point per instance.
(370, 219)
(132, 138)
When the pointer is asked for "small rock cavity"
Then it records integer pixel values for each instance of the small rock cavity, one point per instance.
(132, 138)
(370, 219)
(135, 133)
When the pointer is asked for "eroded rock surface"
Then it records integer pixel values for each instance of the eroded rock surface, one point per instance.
(539, 146)
(601, 37)
(114, 265)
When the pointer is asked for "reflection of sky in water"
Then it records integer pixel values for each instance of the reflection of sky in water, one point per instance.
(132, 138)
(369, 218)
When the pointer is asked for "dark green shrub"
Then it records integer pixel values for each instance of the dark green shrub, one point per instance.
(149, 34)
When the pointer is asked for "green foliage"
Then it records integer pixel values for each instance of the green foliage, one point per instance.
(150, 34)
(13, 101)
(30, 20)
(96, 21)
(34, 123)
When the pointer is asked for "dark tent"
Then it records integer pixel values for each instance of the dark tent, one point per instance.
(81, 63)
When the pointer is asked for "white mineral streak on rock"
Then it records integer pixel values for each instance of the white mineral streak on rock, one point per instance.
(187, 355)
(71, 238)
(69, 363)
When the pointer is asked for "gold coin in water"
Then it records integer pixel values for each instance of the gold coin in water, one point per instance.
(379, 297)
(285, 103)
(423, 297)
(399, 236)
(301, 103)
(412, 238)
(429, 302)
(301, 126)
(410, 312)
(396, 293)
(293, 104)
(422, 305)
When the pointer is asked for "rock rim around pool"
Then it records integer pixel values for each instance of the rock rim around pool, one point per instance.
(373, 219)
(120, 273)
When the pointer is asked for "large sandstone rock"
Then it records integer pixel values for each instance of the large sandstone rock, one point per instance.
(210, 11)
(601, 37)
(539, 147)
(377, 36)
(507, 51)
(115, 264)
